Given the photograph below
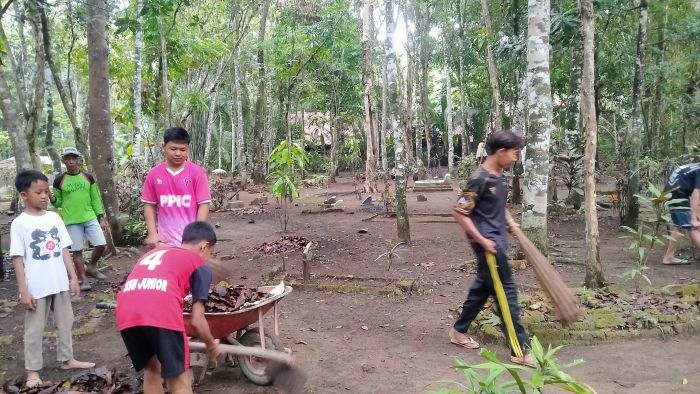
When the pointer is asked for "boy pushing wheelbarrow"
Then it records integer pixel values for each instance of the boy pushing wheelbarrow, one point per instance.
(481, 212)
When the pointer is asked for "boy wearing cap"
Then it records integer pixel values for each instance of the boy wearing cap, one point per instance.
(76, 192)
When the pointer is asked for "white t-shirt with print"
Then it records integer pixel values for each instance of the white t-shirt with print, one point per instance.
(40, 241)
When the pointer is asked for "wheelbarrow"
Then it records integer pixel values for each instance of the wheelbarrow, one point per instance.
(251, 349)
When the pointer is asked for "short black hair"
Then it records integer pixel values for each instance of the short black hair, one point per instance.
(176, 134)
(502, 139)
(25, 178)
(197, 232)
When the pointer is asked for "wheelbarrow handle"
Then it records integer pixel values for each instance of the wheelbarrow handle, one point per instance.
(240, 350)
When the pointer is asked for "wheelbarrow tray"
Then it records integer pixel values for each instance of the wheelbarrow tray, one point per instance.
(222, 324)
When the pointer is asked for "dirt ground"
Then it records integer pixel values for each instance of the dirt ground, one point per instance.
(404, 347)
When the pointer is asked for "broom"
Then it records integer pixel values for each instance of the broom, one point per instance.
(567, 308)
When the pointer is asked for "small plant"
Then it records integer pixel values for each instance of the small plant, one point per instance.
(642, 240)
(283, 161)
(135, 230)
(547, 372)
(645, 238)
(466, 166)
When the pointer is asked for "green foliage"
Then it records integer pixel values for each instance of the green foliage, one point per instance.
(466, 167)
(642, 240)
(134, 230)
(645, 238)
(283, 161)
(505, 378)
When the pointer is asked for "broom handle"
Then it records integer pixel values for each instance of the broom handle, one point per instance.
(503, 303)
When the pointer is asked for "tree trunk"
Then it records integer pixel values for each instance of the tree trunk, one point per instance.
(138, 112)
(462, 90)
(448, 113)
(36, 106)
(241, 155)
(657, 108)
(79, 135)
(165, 85)
(370, 108)
(594, 268)
(385, 119)
(572, 132)
(402, 224)
(11, 122)
(209, 129)
(518, 124)
(491, 67)
(633, 138)
(534, 219)
(50, 123)
(422, 30)
(100, 125)
(259, 133)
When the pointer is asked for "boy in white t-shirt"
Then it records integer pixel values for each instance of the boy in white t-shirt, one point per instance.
(39, 245)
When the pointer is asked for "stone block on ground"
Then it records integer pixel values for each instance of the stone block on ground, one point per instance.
(606, 318)
(234, 205)
(259, 201)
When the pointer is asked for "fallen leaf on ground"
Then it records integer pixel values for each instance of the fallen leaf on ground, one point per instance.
(365, 328)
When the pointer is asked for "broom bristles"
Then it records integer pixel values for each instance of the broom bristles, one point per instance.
(557, 291)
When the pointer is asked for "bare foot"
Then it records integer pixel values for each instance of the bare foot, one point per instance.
(33, 379)
(75, 364)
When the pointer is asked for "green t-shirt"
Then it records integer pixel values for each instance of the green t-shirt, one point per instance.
(79, 197)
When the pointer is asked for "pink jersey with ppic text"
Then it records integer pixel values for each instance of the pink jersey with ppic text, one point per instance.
(177, 196)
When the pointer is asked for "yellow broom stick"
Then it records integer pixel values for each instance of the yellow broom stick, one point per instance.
(503, 303)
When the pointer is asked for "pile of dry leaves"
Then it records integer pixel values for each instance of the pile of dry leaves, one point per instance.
(226, 298)
(99, 380)
(288, 243)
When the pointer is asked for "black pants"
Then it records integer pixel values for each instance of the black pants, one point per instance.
(482, 289)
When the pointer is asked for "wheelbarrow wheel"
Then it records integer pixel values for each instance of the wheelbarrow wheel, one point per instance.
(254, 368)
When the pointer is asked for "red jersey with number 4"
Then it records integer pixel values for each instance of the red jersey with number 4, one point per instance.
(153, 293)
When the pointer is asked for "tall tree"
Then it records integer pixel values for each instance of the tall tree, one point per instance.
(492, 69)
(448, 108)
(534, 219)
(385, 117)
(259, 132)
(402, 224)
(100, 130)
(635, 130)
(49, 142)
(138, 60)
(594, 268)
(370, 125)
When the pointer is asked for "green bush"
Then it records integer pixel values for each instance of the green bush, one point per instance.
(135, 231)
(466, 166)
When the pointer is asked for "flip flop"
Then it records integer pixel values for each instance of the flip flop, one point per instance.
(470, 343)
(678, 262)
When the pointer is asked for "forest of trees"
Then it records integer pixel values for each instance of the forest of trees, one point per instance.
(605, 87)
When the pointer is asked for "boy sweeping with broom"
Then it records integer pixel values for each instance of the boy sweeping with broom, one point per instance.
(481, 212)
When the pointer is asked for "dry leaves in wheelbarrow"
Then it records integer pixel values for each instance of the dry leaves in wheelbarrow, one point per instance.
(99, 380)
(224, 298)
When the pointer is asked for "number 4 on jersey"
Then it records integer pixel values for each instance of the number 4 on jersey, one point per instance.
(154, 260)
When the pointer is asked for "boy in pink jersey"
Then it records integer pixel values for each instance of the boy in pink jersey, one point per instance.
(176, 192)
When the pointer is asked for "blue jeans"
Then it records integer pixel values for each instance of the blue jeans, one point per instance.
(482, 289)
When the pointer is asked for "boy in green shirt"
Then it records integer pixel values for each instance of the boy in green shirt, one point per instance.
(76, 192)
